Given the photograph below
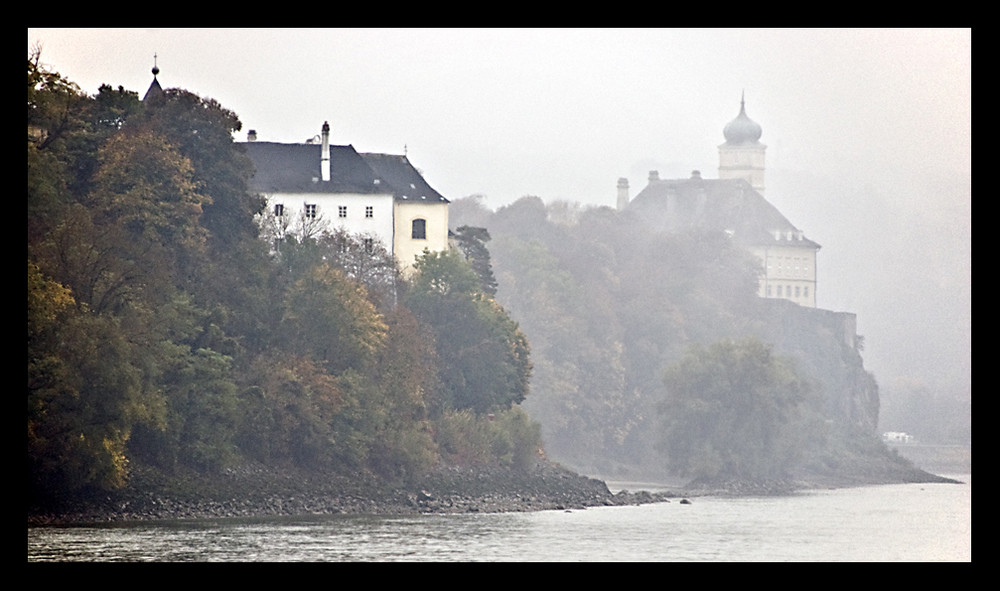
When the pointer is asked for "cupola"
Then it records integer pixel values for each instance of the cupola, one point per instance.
(742, 130)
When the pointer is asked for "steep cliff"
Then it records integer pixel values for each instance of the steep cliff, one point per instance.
(828, 350)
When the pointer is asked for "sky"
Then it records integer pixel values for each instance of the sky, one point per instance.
(868, 133)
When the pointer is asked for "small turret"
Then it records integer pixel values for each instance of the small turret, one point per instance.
(154, 88)
(622, 193)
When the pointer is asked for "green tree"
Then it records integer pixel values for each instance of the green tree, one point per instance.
(472, 242)
(328, 318)
(405, 390)
(484, 356)
(85, 393)
(293, 410)
(734, 410)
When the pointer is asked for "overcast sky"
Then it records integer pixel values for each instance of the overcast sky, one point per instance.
(868, 132)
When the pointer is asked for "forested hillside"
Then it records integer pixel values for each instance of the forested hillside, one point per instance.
(610, 308)
(164, 334)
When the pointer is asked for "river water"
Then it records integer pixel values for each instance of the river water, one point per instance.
(904, 522)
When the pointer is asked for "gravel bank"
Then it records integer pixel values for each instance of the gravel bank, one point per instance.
(255, 491)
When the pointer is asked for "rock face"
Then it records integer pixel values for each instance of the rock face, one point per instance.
(828, 350)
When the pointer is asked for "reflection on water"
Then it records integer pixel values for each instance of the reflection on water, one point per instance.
(918, 522)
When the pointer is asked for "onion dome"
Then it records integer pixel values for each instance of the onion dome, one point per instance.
(742, 130)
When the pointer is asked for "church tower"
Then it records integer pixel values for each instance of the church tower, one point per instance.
(742, 156)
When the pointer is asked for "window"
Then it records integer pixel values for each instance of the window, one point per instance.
(805, 292)
(797, 291)
(342, 211)
(779, 290)
(768, 291)
(369, 211)
(419, 229)
(369, 245)
(311, 211)
(279, 209)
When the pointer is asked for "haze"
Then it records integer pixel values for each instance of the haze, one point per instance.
(868, 133)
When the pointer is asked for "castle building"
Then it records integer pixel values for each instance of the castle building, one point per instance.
(734, 203)
(314, 186)
(378, 196)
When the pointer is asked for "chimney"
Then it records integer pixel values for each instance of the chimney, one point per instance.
(622, 193)
(325, 157)
(252, 135)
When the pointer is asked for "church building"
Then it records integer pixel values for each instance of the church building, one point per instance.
(734, 203)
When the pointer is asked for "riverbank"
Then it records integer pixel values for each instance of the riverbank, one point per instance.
(259, 491)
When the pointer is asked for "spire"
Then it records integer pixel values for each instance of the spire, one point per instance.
(154, 88)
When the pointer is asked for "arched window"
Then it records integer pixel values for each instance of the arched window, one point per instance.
(419, 229)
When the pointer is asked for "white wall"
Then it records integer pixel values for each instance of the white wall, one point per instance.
(380, 224)
(406, 248)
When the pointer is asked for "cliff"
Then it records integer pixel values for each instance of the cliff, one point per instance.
(828, 350)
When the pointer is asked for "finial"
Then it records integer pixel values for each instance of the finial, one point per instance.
(156, 70)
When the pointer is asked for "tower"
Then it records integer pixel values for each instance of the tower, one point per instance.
(622, 193)
(742, 156)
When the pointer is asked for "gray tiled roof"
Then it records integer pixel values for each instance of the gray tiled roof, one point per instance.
(407, 182)
(730, 205)
(295, 168)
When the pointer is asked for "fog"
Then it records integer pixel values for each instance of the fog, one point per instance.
(868, 133)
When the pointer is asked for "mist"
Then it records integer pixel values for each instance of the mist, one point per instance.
(868, 134)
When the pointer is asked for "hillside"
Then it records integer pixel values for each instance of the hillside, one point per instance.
(609, 305)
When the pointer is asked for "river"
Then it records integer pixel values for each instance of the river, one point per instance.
(886, 523)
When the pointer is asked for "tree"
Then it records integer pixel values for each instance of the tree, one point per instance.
(201, 130)
(733, 410)
(472, 242)
(329, 319)
(293, 410)
(85, 392)
(484, 356)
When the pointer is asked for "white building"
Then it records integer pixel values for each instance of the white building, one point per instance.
(315, 185)
(734, 203)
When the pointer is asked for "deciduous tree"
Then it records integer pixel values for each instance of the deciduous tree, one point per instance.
(734, 410)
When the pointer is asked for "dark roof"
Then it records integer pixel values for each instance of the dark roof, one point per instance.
(295, 168)
(730, 205)
(153, 90)
(407, 182)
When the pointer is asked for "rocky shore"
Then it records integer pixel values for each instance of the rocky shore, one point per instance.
(259, 491)
(255, 491)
